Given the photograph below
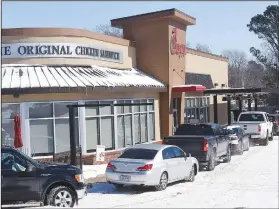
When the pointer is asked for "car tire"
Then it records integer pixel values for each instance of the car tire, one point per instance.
(271, 137)
(191, 177)
(241, 148)
(61, 196)
(118, 186)
(163, 183)
(265, 143)
(212, 161)
(248, 145)
(228, 155)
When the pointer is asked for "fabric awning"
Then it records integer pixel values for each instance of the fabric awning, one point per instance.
(189, 88)
(41, 78)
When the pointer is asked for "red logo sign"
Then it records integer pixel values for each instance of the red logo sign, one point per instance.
(176, 48)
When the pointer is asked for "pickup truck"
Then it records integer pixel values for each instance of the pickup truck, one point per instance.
(206, 142)
(24, 180)
(257, 125)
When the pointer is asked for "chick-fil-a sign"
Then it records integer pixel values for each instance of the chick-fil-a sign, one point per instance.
(176, 48)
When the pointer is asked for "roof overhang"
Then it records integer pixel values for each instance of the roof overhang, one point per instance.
(188, 88)
(32, 79)
(173, 14)
(242, 91)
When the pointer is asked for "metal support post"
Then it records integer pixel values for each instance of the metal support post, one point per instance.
(256, 103)
(229, 110)
(249, 104)
(73, 145)
(215, 108)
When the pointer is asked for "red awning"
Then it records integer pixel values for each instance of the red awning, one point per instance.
(189, 88)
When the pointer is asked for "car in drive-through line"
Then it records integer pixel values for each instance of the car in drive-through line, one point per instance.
(26, 180)
(239, 139)
(207, 142)
(275, 119)
(151, 165)
(257, 125)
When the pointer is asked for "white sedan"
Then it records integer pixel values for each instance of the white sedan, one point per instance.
(152, 165)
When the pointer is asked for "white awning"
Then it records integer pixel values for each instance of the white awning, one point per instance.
(28, 77)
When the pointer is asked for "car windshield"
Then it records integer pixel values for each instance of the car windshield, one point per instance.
(135, 153)
(251, 117)
(191, 129)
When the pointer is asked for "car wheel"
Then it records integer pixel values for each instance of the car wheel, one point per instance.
(248, 145)
(118, 186)
(265, 143)
(163, 182)
(241, 148)
(191, 177)
(61, 196)
(212, 161)
(228, 156)
(271, 137)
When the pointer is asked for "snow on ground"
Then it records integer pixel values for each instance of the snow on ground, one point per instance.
(249, 181)
(92, 171)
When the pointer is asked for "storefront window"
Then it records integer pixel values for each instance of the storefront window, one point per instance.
(49, 128)
(8, 113)
(198, 111)
(143, 129)
(99, 125)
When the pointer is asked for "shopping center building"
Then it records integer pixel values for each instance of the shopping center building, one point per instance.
(45, 69)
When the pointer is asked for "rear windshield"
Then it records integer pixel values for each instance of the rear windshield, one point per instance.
(190, 129)
(251, 117)
(144, 154)
(232, 130)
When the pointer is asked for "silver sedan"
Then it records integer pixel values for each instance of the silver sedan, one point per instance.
(151, 165)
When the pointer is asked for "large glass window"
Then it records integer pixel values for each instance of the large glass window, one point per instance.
(196, 108)
(135, 124)
(9, 111)
(49, 128)
(99, 125)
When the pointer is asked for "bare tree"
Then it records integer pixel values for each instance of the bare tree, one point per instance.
(254, 75)
(237, 67)
(109, 30)
(203, 48)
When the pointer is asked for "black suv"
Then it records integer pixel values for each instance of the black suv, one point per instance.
(24, 179)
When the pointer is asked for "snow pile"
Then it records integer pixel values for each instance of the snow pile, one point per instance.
(92, 171)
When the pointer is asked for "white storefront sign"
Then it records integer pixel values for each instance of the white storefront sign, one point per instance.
(100, 153)
(60, 50)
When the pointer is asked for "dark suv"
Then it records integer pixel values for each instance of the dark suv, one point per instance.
(24, 179)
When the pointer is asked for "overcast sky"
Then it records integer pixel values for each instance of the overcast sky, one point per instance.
(220, 25)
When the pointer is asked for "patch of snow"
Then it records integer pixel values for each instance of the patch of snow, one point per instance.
(248, 181)
(92, 171)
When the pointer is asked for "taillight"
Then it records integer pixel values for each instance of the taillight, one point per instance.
(205, 146)
(277, 123)
(110, 166)
(147, 167)
(259, 129)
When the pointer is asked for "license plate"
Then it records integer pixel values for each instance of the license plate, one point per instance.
(124, 178)
(255, 136)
